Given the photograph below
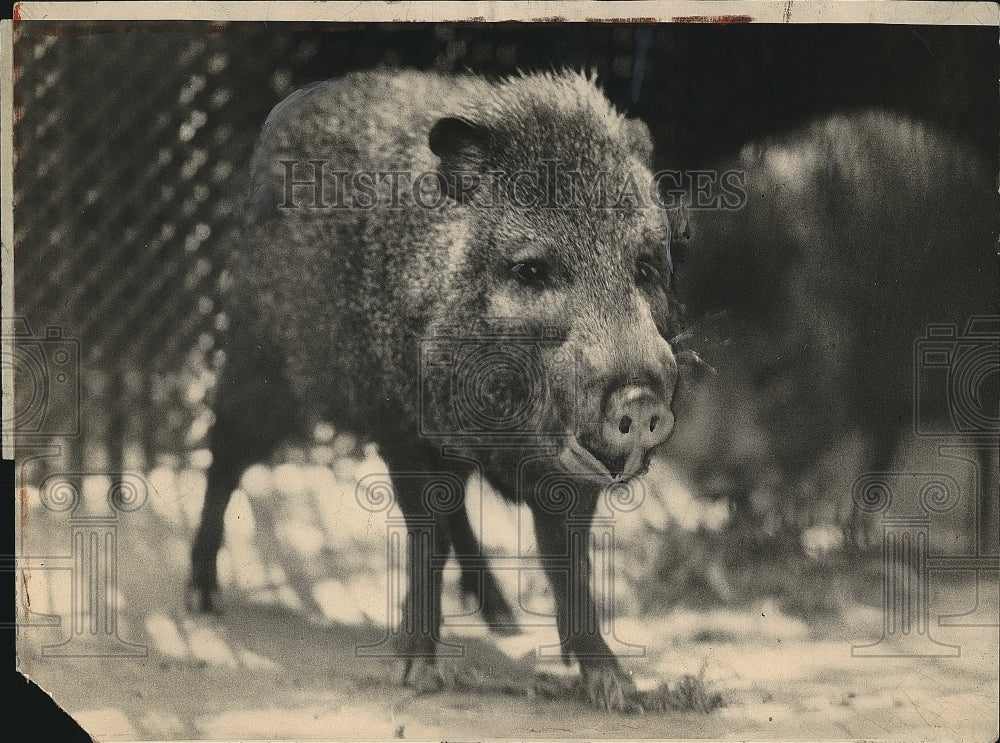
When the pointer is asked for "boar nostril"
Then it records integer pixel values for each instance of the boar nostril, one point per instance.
(653, 421)
(625, 424)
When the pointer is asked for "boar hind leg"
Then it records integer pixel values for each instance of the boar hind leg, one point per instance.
(477, 580)
(254, 413)
(222, 478)
(564, 550)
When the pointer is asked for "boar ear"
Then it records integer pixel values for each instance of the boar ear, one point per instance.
(461, 145)
(639, 140)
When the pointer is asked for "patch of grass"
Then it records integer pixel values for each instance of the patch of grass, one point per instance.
(467, 677)
(689, 693)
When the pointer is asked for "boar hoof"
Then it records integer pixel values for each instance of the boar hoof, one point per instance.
(611, 690)
(423, 675)
(201, 600)
(498, 615)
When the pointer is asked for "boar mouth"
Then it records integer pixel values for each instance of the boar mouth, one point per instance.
(578, 460)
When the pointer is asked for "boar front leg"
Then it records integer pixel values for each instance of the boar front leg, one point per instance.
(565, 554)
(428, 543)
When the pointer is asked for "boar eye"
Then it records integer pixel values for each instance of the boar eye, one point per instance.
(647, 273)
(531, 273)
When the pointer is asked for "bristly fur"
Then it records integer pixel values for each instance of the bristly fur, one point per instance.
(344, 294)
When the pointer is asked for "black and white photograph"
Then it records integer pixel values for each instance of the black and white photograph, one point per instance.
(504, 371)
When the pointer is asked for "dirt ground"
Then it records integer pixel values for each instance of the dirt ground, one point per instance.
(281, 662)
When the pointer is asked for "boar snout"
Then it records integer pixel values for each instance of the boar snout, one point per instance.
(624, 418)
(634, 421)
